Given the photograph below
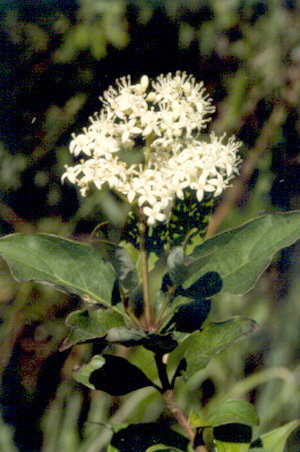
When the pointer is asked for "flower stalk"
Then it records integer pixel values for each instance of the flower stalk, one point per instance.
(145, 273)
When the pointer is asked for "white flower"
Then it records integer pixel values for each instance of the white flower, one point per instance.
(154, 214)
(128, 128)
(124, 101)
(202, 186)
(82, 143)
(219, 183)
(150, 122)
(163, 89)
(71, 173)
(165, 119)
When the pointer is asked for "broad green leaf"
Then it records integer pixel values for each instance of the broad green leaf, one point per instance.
(208, 285)
(112, 374)
(90, 324)
(233, 411)
(233, 437)
(68, 266)
(275, 440)
(221, 446)
(200, 346)
(240, 255)
(140, 437)
(118, 377)
(83, 373)
(189, 317)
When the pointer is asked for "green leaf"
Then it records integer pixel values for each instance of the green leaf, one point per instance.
(126, 336)
(111, 448)
(222, 446)
(160, 343)
(258, 449)
(83, 373)
(118, 377)
(129, 337)
(89, 324)
(68, 266)
(208, 285)
(112, 374)
(177, 264)
(196, 421)
(240, 255)
(233, 411)
(200, 346)
(162, 447)
(275, 440)
(189, 317)
(124, 268)
(140, 437)
(234, 433)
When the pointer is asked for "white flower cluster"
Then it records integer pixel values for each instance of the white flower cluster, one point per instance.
(165, 118)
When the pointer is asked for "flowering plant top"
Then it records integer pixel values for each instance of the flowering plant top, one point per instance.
(164, 119)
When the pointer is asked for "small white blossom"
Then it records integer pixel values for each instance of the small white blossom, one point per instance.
(154, 214)
(83, 143)
(127, 129)
(219, 183)
(165, 117)
(150, 122)
(202, 186)
(71, 173)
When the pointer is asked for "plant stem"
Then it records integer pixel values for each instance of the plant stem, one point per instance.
(145, 274)
(166, 303)
(177, 413)
(168, 395)
(180, 417)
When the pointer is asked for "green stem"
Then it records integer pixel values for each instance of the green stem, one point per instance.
(145, 273)
(122, 313)
(166, 303)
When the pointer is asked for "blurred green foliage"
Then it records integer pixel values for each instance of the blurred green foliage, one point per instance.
(57, 57)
